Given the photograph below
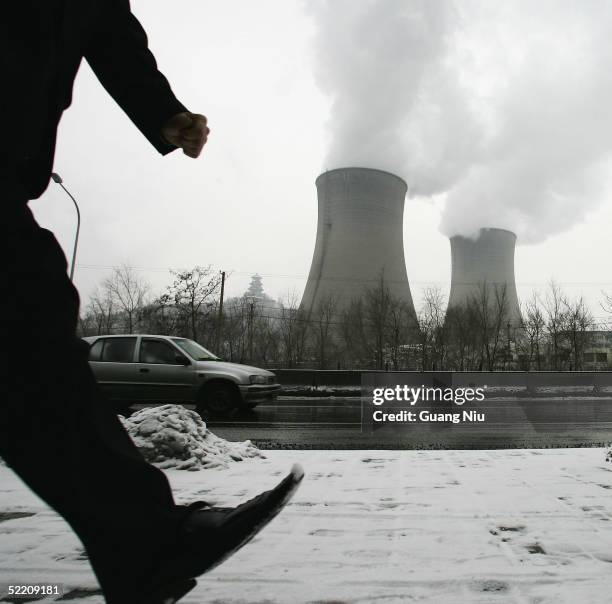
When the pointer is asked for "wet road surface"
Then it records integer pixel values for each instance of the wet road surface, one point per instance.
(336, 423)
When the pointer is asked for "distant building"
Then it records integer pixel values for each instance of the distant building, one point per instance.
(256, 289)
(256, 293)
(597, 354)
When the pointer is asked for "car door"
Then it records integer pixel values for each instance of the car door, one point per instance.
(113, 361)
(167, 375)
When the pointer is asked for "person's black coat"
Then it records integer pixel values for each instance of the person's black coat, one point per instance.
(42, 43)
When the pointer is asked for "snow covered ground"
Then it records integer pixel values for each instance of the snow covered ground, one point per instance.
(520, 526)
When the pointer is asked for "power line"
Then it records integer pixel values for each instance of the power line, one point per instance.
(342, 279)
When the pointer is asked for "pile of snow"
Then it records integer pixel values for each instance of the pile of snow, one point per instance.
(171, 436)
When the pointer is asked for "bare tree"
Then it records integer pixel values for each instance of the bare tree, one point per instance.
(128, 292)
(531, 340)
(376, 307)
(578, 320)
(322, 323)
(606, 305)
(293, 326)
(234, 344)
(432, 329)
(194, 292)
(100, 312)
(400, 332)
(352, 334)
(491, 306)
(555, 304)
(266, 339)
(462, 328)
(160, 316)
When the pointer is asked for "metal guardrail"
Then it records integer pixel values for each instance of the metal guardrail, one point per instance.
(527, 380)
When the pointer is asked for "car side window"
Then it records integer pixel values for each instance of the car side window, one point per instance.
(158, 351)
(95, 352)
(118, 350)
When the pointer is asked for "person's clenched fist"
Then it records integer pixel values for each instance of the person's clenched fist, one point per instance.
(188, 131)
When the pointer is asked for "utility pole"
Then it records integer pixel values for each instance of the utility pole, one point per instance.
(251, 313)
(220, 317)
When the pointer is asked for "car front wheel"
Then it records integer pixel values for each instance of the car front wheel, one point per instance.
(218, 399)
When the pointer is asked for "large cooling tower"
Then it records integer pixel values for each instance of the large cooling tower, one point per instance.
(485, 264)
(359, 237)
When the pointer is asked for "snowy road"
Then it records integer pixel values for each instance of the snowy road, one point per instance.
(507, 526)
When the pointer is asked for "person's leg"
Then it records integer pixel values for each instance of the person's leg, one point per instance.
(60, 437)
(71, 449)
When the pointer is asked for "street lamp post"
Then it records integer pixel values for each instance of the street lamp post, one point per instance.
(58, 179)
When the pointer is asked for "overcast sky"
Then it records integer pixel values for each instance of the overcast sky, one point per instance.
(267, 74)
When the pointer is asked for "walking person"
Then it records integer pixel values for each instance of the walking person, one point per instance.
(56, 432)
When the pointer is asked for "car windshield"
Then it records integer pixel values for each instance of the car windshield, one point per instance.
(194, 350)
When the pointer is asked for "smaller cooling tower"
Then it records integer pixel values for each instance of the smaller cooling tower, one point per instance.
(359, 238)
(484, 264)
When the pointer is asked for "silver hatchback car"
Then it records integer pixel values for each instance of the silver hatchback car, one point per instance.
(138, 368)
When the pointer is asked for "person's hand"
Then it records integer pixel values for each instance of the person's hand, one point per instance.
(188, 131)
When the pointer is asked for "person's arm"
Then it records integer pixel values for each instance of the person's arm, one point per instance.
(122, 61)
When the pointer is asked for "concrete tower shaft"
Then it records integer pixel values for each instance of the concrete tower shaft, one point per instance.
(484, 262)
(359, 237)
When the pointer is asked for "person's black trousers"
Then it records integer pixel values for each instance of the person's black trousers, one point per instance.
(60, 435)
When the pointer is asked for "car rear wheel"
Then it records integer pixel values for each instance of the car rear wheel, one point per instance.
(218, 399)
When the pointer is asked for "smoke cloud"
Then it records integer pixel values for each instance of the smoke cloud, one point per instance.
(502, 107)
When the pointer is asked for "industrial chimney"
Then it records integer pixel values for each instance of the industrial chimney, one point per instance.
(485, 264)
(359, 237)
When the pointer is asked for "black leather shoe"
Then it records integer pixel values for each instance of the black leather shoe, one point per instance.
(210, 535)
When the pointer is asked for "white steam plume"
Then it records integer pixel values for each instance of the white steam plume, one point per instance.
(504, 107)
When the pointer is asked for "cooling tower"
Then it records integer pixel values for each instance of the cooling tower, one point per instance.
(359, 237)
(485, 264)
